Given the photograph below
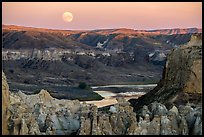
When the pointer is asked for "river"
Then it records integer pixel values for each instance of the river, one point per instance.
(110, 97)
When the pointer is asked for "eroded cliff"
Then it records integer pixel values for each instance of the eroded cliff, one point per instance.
(181, 87)
(41, 114)
(5, 104)
(182, 77)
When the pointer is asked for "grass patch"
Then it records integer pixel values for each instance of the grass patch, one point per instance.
(59, 92)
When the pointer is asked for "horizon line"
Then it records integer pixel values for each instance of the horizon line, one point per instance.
(99, 28)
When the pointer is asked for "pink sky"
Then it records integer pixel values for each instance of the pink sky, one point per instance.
(104, 15)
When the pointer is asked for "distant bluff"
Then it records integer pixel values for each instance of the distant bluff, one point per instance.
(182, 75)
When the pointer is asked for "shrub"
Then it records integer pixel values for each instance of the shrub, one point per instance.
(83, 85)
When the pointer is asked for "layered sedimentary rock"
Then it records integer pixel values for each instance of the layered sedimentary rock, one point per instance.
(41, 114)
(117, 53)
(154, 119)
(182, 75)
(5, 104)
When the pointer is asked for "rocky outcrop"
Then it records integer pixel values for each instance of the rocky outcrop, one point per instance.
(157, 58)
(41, 114)
(5, 104)
(154, 119)
(107, 123)
(181, 82)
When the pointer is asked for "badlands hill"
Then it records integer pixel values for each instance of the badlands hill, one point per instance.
(18, 37)
(41, 114)
(182, 77)
(56, 59)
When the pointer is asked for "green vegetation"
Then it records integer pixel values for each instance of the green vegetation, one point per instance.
(93, 96)
(83, 85)
(59, 92)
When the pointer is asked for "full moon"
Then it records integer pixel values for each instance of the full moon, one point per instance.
(67, 16)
